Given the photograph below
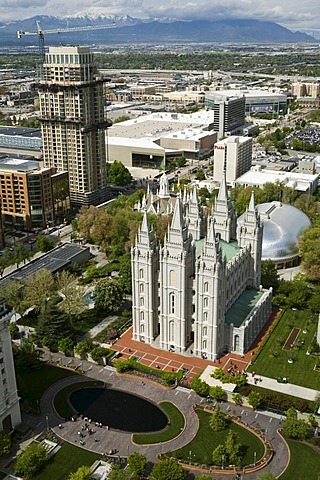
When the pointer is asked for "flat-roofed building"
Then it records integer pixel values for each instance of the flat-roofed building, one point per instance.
(150, 139)
(229, 111)
(27, 199)
(232, 158)
(257, 177)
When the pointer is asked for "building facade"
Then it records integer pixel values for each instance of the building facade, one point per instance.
(10, 416)
(72, 121)
(200, 291)
(27, 199)
(229, 112)
(232, 157)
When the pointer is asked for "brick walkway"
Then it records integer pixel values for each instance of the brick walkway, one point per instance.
(169, 361)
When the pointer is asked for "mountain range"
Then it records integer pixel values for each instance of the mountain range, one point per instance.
(135, 30)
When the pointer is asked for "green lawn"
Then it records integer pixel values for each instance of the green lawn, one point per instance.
(272, 360)
(206, 440)
(61, 399)
(304, 463)
(32, 383)
(173, 430)
(68, 459)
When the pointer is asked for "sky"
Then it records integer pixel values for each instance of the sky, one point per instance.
(293, 14)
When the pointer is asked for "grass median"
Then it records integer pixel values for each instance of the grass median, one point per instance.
(174, 428)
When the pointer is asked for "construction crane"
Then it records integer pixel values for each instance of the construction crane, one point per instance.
(40, 33)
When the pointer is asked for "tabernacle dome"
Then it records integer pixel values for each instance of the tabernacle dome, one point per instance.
(282, 226)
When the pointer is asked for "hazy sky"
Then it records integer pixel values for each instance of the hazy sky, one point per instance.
(295, 14)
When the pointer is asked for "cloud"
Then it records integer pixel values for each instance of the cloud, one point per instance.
(21, 4)
(293, 14)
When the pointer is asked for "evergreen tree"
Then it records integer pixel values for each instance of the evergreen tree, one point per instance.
(53, 323)
(218, 420)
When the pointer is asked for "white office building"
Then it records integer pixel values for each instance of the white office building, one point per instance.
(10, 416)
(232, 157)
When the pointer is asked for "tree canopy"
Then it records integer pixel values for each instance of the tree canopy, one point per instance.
(168, 469)
(118, 174)
(83, 473)
(108, 295)
(218, 420)
(30, 460)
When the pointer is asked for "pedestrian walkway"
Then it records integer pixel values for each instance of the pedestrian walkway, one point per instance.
(287, 388)
(184, 399)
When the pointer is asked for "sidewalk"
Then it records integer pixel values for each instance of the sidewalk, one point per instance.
(287, 388)
(183, 398)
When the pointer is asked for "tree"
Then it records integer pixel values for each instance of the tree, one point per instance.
(218, 420)
(38, 288)
(84, 347)
(200, 175)
(53, 323)
(5, 260)
(20, 253)
(232, 448)
(199, 386)
(254, 399)
(65, 345)
(219, 455)
(269, 274)
(118, 473)
(45, 244)
(137, 463)
(14, 331)
(217, 393)
(108, 295)
(5, 443)
(168, 469)
(13, 293)
(118, 174)
(125, 273)
(30, 460)
(73, 302)
(237, 398)
(295, 428)
(83, 473)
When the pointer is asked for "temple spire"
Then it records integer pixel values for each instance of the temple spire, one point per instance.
(223, 190)
(252, 206)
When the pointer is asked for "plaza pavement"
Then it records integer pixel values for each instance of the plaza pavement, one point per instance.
(183, 398)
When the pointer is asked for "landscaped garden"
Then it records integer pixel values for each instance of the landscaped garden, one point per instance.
(68, 459)
(200, 449)
(274, 361)
(33, 382)
(304, 462)
(174, 428)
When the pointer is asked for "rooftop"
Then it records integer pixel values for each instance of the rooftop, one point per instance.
(229, 250)
(53, 261)
(20, 131)
(243, 306)
(18, 165)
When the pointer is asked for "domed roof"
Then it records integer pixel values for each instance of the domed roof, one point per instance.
(282, 227)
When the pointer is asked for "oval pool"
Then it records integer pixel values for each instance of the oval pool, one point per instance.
(118, 409)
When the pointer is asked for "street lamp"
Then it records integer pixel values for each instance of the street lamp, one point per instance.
(47, 420)
(190, 454)
(254, 457)
(128, 447)
(222, 458)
